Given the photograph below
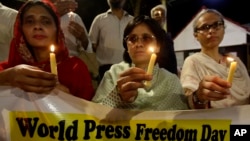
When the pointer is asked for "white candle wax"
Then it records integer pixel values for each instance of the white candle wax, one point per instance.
(53, 65)
(151, 67)
(232, 69)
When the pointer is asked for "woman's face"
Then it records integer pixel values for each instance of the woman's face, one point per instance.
(39, 27)
(210, 30)
(138, 42)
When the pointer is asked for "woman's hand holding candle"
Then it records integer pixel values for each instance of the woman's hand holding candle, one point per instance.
(24, 76)
(130, 81)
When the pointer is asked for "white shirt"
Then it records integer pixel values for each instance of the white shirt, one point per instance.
(106, 32)
(7, 20)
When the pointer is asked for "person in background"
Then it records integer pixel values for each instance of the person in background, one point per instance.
(169, 61)
(204, 74)
(37, 27)
(7, 16)
(123, 84)
(106, 34)
(76, 36)
(159, 13)
(73, 27)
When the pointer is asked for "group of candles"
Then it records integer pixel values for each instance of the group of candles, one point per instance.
(53, 65)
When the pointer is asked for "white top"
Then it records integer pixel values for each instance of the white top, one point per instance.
(198, 65)
(106, 32)
(70, 40)
(7, 20)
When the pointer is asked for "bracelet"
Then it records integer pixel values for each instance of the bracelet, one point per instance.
(117, 90)
(197, 101)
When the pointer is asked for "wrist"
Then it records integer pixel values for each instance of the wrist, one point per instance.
(4, 77)
(196, 99)
(127, 100)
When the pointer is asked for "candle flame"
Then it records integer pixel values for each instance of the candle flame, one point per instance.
(230, 59)
(151, 49)
(52, 48)
(70, 14)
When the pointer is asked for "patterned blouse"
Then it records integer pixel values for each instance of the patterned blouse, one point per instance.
(165, 92)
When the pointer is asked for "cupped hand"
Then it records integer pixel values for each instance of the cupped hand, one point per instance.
(77, 30)
(213, 88)
(130, 81)
(79, 33)
(31, 79)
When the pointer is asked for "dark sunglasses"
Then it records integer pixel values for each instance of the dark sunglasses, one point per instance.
(206, 27)
(145, 38)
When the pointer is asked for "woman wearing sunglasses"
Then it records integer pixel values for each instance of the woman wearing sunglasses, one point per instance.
(204, 74)
(123, 85)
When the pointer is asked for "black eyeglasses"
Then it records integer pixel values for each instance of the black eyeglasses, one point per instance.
(145, 39)
(206, 27)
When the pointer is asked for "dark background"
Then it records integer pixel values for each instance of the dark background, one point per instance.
(180, 12)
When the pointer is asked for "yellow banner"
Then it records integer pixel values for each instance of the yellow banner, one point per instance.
(36, 126)
(58, 116)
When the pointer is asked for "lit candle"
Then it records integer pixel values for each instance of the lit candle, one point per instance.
(233, 65)
(159, 13)
(151, 66)
(71, 16)
(53, 65)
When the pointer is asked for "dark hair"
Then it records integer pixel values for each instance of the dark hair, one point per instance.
(155, 28)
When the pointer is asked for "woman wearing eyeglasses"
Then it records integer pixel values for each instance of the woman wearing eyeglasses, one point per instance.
(204, 74)
(123, 85)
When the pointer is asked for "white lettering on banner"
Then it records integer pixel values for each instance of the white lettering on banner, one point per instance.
(240, 132)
